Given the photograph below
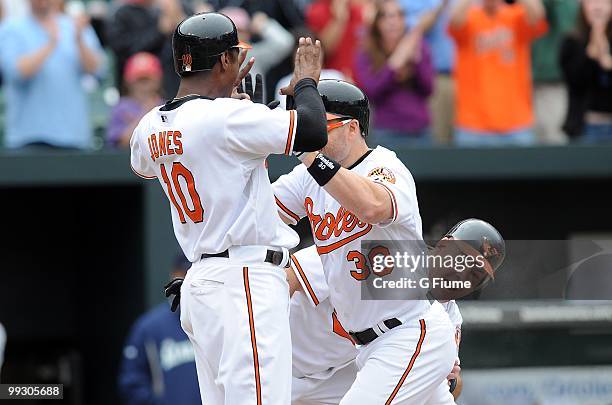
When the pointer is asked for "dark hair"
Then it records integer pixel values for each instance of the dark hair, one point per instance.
(583, 27)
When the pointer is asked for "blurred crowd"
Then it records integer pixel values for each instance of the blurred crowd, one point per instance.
(80, 74)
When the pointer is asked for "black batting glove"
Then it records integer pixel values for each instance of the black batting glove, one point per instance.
(256, 93)
(173, 288)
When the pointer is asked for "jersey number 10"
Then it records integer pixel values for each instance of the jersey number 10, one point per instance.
(178, 170)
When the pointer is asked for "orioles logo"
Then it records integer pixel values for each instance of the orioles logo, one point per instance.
(382, 174)
(328, 225)
(187, 61)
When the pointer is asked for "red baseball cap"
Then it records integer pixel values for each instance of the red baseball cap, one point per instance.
(142, 65)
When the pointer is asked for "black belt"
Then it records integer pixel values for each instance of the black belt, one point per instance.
(272, 256)
(366, 336)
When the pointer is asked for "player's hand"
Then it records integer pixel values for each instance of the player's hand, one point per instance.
(255, 93)
(454, 372)
(455, 387)
(246, 69)
(173, 288)
(292, 280)
(454, 380)
(308, 64)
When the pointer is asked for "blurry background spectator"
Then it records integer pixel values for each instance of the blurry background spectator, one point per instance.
(432, 17)
(98, 13)
(587, 67)
(395, 71)
(142, 78)
(339, 25)
(284, 81)
(43, 58)
(274, 44)
(289, 14)
(549, 93)
(493, 70)
(145, 26)
(13, 8)
(158, 363)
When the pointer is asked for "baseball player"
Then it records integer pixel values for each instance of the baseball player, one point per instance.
(353, 194)
(207, 147)
(323, 353)
(471, 237)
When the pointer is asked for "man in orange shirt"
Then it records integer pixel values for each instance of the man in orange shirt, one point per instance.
(493, 71)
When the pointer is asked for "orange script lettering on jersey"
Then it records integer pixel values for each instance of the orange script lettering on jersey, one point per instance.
(324, 227)
(165, 143)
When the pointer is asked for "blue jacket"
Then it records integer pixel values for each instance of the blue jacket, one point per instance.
(158, 363)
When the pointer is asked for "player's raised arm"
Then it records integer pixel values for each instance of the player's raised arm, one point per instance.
(255, 130)
(372, 199)
(311, 134)
(369, 201)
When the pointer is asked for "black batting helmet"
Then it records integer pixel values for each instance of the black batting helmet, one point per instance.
(345, 100)
(482, 237)
(199, 40)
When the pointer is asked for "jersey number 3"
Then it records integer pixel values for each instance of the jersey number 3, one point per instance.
(196, 214)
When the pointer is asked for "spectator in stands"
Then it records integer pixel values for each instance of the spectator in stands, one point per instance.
(158, 363)
(43, 57)
(493, 70)
(98, 10)
(338, 24)
(550, 96)
(13, 8)
(275, 42)
(587, 68)
(394, 69)
(284, 81)
(145, 26)
(142, 78)
(432, 16)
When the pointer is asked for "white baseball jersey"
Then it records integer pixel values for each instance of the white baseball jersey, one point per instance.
(338, 233)
(209, 157)
(324, 366)
(319, 342)
(452, 309)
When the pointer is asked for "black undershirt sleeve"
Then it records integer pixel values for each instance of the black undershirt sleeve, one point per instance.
(311, 134)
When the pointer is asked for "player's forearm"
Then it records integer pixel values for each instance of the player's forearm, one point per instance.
(29, 65)
(311, 133)
(534, 9)
(369, 201)
(459, 13)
